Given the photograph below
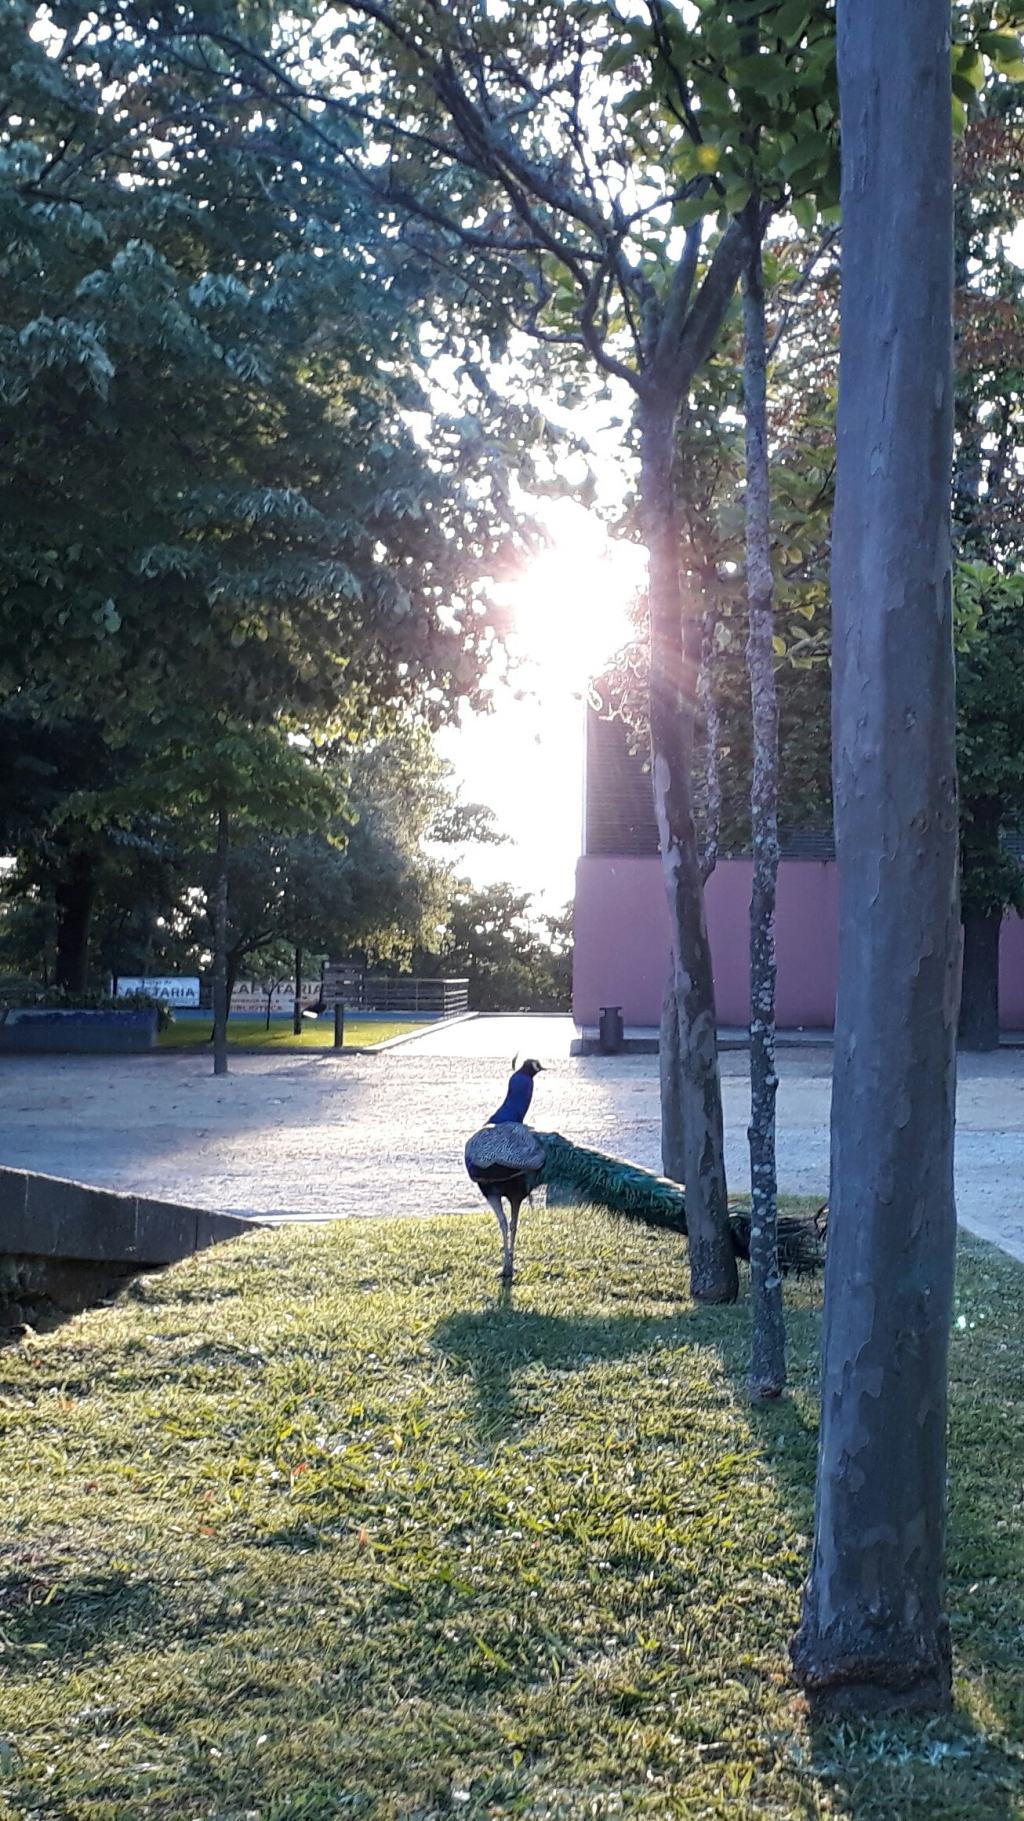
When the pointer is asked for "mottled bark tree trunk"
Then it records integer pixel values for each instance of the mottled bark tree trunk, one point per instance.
(874, 1632)
(297, 1007)
(707, 702)
(74, 896)
(713, 1275)
(220, 947)
(979, 990)
(768, 1335)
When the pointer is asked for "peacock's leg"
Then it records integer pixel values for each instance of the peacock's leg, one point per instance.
(494, 1203)
(515, 1203)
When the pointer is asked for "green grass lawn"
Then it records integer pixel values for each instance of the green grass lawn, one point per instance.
(317, 1034)
(323, 1525)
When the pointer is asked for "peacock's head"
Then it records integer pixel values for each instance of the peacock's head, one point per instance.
(531, 1067)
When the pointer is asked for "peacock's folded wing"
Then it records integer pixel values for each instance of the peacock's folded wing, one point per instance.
(510, 1150)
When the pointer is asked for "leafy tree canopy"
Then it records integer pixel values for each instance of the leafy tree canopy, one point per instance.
(513, 958)
(213, 485)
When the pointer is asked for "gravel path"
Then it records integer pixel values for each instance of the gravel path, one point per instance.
(322, 1136)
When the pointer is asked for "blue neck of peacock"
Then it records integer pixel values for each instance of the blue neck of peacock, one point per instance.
(516, 1103)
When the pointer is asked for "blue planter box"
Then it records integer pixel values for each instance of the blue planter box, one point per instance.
(52, 1031)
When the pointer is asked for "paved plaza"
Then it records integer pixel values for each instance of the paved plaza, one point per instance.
(326, 1135)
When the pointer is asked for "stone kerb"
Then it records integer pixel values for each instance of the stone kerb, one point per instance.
(50, 1217)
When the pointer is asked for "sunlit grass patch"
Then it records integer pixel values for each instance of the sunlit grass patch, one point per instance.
(324, 1524)
(251, 1033)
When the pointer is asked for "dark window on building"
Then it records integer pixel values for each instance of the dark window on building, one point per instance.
(618, 815)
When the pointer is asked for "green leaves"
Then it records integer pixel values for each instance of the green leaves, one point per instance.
(210, 487)
(759, 118)
(685, 213)
(968, 71)
(989, 629)
(1005, 53)
(810, 154)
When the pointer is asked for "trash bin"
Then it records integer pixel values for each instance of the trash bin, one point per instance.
(610, 1030)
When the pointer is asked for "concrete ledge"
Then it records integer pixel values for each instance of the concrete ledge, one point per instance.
(645, 1043)
(51, 1217)
(630, 1046)
(74, 1031)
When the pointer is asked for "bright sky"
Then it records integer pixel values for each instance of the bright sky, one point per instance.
(525, 760)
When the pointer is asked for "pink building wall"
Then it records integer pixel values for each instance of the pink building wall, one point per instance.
(621, 943)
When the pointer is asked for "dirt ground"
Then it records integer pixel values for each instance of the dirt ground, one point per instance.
(324, 1136)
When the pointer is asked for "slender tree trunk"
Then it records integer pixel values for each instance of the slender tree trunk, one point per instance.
(874, 1632)
(707, 702)
(234, 968)
(297, 1007)
(713, 1276)
(221, 1000)
(74, 896)
(979, 990)
(768, 1334)
(673, 1148)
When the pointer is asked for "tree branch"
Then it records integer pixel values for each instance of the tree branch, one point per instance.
(711, 302)
(820, 250)
(677, 302)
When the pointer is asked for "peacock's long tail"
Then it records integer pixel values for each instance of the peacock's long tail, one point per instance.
(574, 1173)
(801, 1242)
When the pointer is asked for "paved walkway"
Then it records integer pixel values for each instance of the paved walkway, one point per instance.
(322, 1136)
(546, 1035)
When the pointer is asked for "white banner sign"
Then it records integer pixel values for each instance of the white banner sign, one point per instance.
(171, 989)
(251, 996)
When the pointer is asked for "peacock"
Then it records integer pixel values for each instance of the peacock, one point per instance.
(508, 1160)
(505, 1158)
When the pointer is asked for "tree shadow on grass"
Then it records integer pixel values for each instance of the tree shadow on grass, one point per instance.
(495, 1345)
(45, 1613)
(918, 1768)
(48, 1615)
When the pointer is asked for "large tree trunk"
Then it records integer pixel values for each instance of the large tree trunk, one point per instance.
(874, 1632)
(221, 1000)
(768, 1334)
(713, 1275)
(74, 896)
(979, 990)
